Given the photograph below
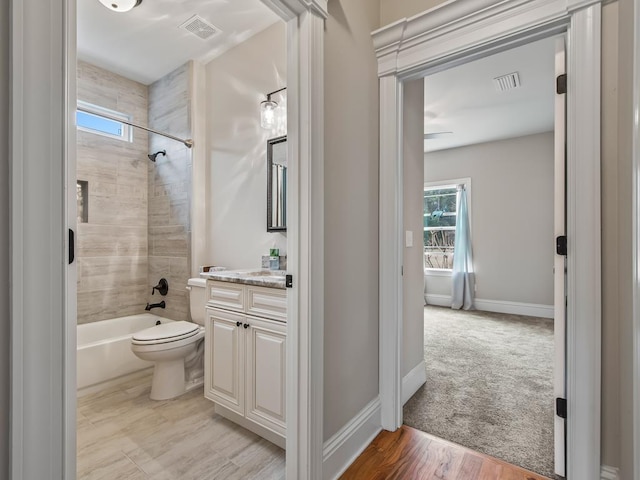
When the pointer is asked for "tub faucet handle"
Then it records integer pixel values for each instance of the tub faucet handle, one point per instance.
(162, 287)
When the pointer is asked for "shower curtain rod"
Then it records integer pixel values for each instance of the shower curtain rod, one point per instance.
(187, 143)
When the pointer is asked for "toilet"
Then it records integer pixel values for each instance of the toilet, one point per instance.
(177, 348)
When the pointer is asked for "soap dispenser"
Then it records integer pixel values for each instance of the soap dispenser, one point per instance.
(274, 259)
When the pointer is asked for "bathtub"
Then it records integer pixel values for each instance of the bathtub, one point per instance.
(104, 348)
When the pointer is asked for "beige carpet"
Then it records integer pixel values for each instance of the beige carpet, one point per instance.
(489, 385)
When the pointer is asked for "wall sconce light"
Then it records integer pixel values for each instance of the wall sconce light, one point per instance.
(268, 111)
(120, 5)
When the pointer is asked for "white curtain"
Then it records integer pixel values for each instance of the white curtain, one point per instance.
(462, 277)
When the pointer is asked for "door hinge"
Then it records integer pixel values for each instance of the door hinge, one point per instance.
(561, 84)
(561, 407)
(561, 245)
(288, 281)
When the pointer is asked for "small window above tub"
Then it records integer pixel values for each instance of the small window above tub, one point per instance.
(102, 121)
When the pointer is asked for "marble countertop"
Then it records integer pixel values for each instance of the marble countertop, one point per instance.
(261, 277)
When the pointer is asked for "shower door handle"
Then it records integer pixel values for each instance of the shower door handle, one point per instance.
(72, 247)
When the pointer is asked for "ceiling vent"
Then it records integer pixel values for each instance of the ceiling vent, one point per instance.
(199, 27)
(507, 82)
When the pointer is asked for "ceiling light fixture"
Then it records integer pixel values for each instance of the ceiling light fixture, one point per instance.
(268, 111)
(120, 5)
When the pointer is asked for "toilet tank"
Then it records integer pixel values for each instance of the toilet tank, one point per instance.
(197, 299)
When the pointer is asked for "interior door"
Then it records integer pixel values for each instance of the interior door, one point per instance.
(560, 262)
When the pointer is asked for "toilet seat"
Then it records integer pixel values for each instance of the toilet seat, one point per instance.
(166, 333)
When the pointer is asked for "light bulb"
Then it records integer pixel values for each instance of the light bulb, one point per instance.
(268, 114)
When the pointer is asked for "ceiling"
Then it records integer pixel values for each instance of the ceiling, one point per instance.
(464, 100)
(145, 43)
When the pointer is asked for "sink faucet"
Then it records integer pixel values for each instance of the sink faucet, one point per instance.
(155, 305)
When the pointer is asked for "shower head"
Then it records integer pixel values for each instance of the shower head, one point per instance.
(152, 156)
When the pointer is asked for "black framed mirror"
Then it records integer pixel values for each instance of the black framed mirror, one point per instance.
(277, 184)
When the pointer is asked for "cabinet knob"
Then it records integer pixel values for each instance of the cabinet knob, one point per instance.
(238, 324)
(246, 325)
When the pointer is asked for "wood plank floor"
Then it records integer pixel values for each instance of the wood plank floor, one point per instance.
(122, 434)
(409, 454)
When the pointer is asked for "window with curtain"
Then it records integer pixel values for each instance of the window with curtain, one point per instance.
(440, 216)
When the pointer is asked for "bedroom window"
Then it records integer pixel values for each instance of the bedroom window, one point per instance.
(440, 215)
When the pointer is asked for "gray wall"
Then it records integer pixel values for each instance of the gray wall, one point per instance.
(170, 191)
(392, 10)
(610, 232)
(511, 216)
(236, 83)
(112, 245)
(413, 277)
(625, 244)
(4, 240)
(351, 212)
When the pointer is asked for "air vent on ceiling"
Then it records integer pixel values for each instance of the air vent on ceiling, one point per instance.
(507, 82)
(199, 27)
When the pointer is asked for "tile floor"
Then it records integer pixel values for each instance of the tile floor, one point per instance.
(122, 434)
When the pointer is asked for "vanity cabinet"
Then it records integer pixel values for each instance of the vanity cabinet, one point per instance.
(245, 356)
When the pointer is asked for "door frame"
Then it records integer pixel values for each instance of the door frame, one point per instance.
(455, 33)
(43, 303)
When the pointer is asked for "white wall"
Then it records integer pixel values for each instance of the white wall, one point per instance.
(236, 83)
(511, 216)
(413, 276)
(4, 240)
(351, 212)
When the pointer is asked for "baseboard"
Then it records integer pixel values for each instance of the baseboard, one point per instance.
(498, 306)
(344, 447)
(413, 380)
(438, 300)
(609, 473)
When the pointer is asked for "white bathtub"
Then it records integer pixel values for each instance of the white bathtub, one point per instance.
(104, 348)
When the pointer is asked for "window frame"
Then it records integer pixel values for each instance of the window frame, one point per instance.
(126, 134)
(440, 184)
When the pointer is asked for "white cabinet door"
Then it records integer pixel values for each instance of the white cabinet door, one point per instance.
(265, 373)
(225, 359)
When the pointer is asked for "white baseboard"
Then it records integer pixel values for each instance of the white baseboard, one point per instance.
(413, 380)
(498, 306)
(350, 441)
(609, 473)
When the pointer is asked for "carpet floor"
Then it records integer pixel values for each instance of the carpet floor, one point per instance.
(489, 385)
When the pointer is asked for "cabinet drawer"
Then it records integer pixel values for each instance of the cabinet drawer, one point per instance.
(225, 295)
(267, 302)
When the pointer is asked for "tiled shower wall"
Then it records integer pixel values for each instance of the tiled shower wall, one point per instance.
(112, 245)
(170, 191)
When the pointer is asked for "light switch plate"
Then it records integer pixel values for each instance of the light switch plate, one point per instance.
(408, 238)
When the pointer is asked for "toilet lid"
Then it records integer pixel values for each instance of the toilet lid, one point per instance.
(166, 332)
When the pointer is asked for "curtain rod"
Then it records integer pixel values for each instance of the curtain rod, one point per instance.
(187, 143)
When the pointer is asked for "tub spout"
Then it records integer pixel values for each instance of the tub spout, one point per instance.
(155, 305)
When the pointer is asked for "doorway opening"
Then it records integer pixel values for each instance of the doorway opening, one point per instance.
(170, 154)
(448, 36)
(488, 255)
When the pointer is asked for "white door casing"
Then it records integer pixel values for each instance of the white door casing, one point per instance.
(559, 262)
(454, 33)
(42, 168)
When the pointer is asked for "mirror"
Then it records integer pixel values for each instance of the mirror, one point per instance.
(277, 184)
